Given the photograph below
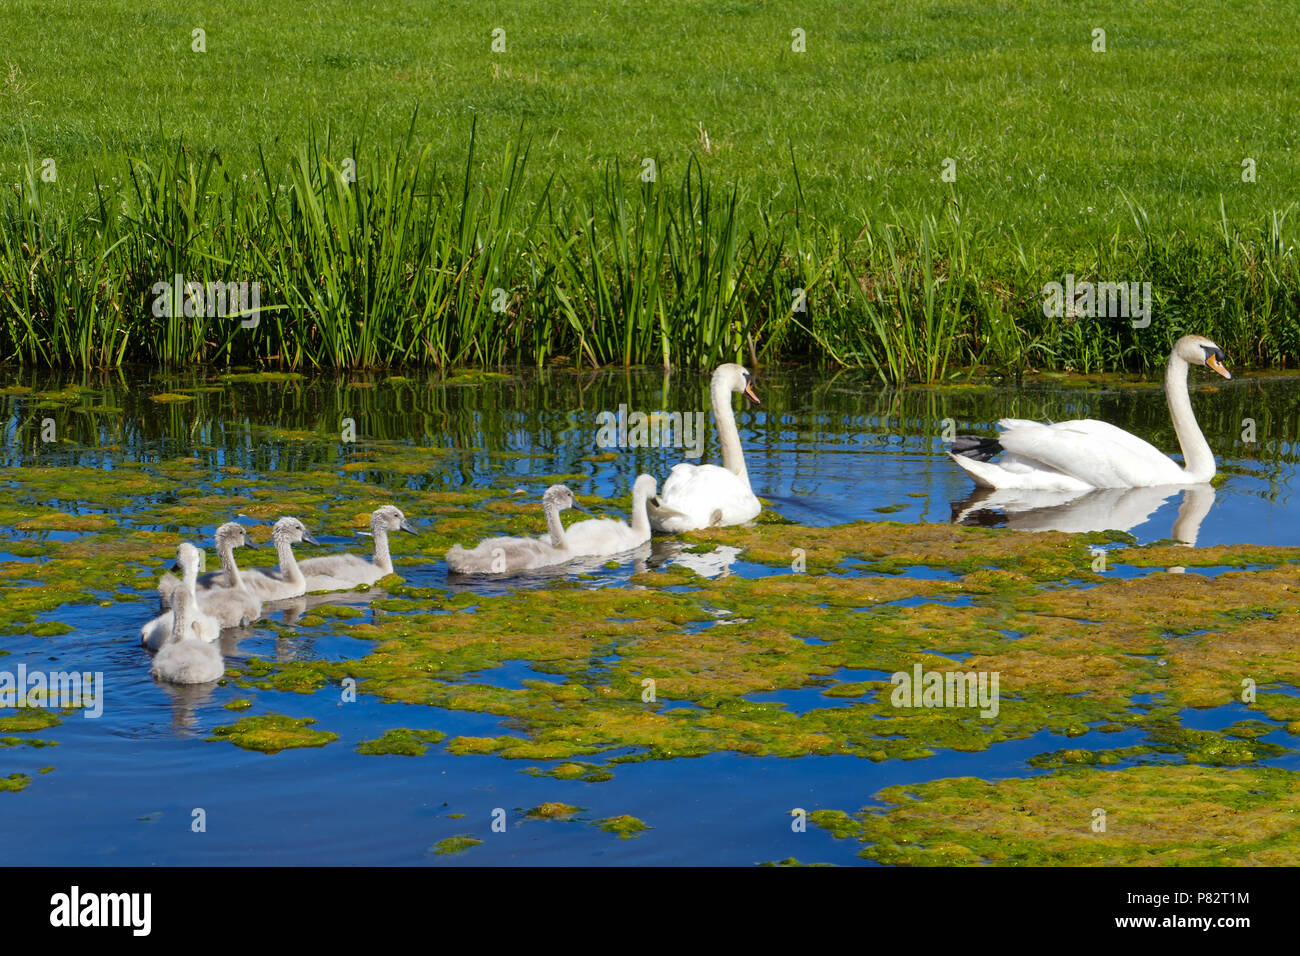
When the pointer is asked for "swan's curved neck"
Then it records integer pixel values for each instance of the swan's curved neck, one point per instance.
(554, 526)
(226, 552)
(182, 618)
(288, 563)
(190, 577)
(724, 419)
(1198, 460)
(640, 516)
(383, 560)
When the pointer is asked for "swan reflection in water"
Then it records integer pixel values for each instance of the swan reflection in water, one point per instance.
(1101, 509)
(186, 701)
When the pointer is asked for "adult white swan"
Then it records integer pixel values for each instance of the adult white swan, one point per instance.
(1083, 454)
(701, 496)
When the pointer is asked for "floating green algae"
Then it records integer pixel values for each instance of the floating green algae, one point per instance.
(1154, 815)
(553, 811)
(573, 770)
(272, 733)
(338, 610)
(402, 740)
(14, 782)
(29, 719)
(670, 666)
(627, 827)
(791, 862)
(49, 629)
(66, 522)
(1044, 640)
(455, 844)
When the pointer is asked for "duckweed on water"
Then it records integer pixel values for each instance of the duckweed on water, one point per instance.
(28, 719)
(1211, 748)
(625, 826)
(338, 610)
(1190, 816)
(574, 770)
(272, 733)
(14, 782)
(451, 845)
(1071, 659)
(402, 740)
(553, 811)
(791, 862)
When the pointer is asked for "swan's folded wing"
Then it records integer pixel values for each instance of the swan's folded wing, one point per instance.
(699, 489)
(1127, 440)
(1095, 452)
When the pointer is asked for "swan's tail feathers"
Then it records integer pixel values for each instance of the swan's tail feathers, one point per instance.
(972, 446)
(661, 517)
(985, 474)
(459, 560)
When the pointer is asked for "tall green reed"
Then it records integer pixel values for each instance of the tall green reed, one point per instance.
(372, 257)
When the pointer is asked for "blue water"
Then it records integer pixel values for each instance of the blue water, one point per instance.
(125, 786)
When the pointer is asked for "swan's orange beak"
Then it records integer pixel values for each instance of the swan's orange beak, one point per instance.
(1214, 363)
(751, 394)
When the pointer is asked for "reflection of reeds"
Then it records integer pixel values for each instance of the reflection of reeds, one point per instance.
(405, 265)
(467, 432)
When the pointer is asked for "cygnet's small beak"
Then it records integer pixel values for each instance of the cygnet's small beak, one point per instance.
(248, 543)
(1214, 363)
(406, 526)
(176, 568)
(309, 539)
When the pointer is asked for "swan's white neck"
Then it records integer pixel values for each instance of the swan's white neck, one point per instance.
(1198, 460)
(226, 552)
(383, 560)
(190, 577)
(554, 526)
(288, 563)
(724, 419)
(640, 516)
(182, 615)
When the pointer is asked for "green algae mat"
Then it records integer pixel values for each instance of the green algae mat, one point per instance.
(875, 619)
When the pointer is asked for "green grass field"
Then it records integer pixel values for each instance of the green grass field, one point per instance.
(1064, 158)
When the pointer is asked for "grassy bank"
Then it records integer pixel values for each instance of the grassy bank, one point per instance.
(410, 264)
(795, 146)
(1048, 136)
